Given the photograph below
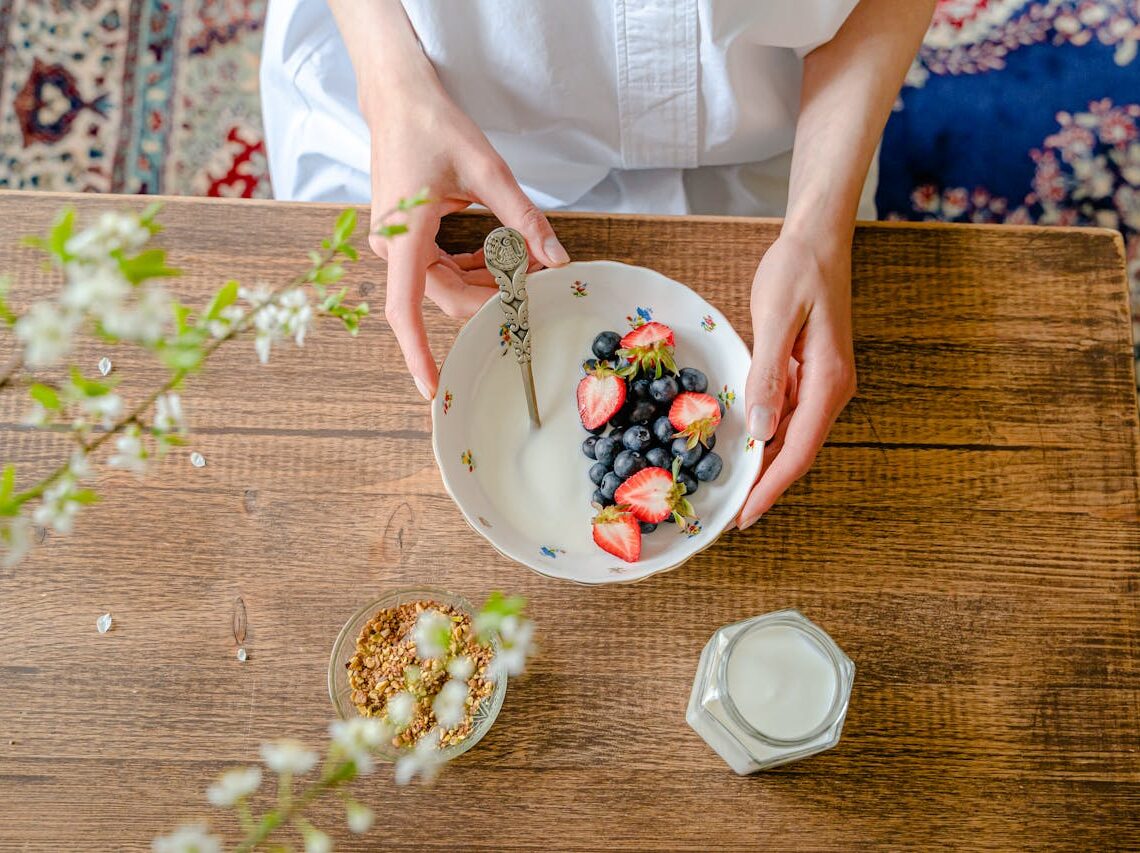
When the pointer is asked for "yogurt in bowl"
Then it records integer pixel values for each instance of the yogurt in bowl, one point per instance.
(526, 490)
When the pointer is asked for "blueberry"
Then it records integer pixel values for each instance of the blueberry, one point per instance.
(588, 446)
(663, 431)
(605, 449)
(689, 455)
(710, 443)
(688, 481)
(663, 390)
(598, 430)
(637, 437)
(639, 388)
(659, 457)
(693, 380)
(643, 412)
(600, 499)
(709, 467)
(610, 484)
(720, 405)
(617, 433)
(621, 416)
(647, 526)
(627, 463)
(606, 344)
(598, 472)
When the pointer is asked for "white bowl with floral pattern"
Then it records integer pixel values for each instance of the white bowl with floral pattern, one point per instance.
(527, 490)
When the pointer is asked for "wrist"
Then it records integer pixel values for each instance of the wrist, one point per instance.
(829, 245)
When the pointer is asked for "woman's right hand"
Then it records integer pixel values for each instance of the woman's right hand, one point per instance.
(421, 139)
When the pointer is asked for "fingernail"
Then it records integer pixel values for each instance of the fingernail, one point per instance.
(423, 389)
(745, 524)
(555, 252)
(761, 423)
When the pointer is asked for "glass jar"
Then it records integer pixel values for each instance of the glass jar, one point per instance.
(770, 690)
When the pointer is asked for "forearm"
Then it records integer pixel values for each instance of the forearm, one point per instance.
(384, 50)
(849, 86)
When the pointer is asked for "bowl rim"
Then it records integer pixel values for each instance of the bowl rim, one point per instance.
(615, 572)
(389, 598)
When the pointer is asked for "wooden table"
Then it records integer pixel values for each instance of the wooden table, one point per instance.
(970, 536)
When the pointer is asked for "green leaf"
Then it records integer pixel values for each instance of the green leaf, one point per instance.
(170, 438)
(393, 230)
(349, 252)
(182, 355)
(329, 274)
(88, 387)
(345, 225)
(61, 231)
(316, 257)
(84, 496)
(503, 606)
(413, 201)
(8, 481)
(147, 217)
(181, 316)
(45, 395)
(147, 264)
(6, 313)
(223, 299)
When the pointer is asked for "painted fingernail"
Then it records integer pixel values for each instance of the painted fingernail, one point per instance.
(423, 389)
(761, 423)
(746, 523)
(555, 252)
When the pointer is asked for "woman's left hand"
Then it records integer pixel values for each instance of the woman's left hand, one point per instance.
(803, 361)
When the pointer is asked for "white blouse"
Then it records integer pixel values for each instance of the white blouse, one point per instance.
(673, 106)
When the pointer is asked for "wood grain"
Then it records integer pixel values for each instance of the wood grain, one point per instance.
(970, 535)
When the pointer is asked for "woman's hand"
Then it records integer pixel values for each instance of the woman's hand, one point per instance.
(803, 363)
(421, 139)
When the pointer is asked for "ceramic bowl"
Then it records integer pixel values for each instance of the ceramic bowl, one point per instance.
(527, 491)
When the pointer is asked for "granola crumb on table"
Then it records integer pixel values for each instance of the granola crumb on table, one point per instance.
(384, 649)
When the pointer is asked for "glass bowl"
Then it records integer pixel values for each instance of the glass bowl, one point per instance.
(345, 647)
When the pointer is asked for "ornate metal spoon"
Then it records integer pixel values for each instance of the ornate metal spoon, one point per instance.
(507, 258)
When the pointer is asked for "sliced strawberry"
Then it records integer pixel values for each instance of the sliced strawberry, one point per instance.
(695, 416)
(618, 532)
(648, 334)
(649, 348)
(600, 395)
(653, 495)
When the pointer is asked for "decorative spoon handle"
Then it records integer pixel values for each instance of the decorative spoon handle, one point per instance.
(506, 256)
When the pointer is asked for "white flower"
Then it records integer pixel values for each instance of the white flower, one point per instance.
(227, 318)
(359, 817)
(295, 314)
(168, 413)
(234, 785)
(423, 759)
(400, 709)
(36, 416)
(99, 289)
(46, 333)
(255, 296)
(448, 705)
(316, 841)
(516, 636)
(58, 507)
(106, 408)
(431, 634)
(145, 320)
(192, 838)
(288, 756)
(78, 466)
(357, 737)
(17, 541)
(130, 455)
(111, 232)
(461, 667)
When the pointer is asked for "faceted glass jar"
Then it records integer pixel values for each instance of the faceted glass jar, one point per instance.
(715, 716)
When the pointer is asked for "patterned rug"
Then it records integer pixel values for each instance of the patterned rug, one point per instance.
(1014, 110)
(135, 96)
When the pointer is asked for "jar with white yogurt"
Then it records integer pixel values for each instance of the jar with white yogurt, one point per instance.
(770, 690)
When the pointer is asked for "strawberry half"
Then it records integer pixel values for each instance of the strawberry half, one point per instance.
(649, 348)
(653, 495)
(600, 395)
(618, 532)
(695, 416)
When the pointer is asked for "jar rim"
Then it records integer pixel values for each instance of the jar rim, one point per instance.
(827, 646)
